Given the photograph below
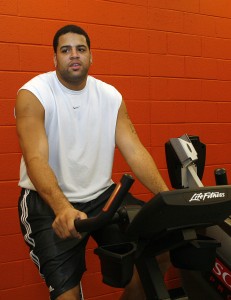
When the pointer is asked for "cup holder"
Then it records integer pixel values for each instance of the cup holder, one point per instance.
(117, 261)
(198, 255)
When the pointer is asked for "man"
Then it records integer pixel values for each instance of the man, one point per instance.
(68, 124)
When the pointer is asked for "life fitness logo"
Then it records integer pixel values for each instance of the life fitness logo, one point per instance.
(207, 195)
(223, 274)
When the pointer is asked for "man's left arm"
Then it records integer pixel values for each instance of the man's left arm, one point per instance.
(136, 155)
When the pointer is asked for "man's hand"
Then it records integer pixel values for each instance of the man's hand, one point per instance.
(63, 224)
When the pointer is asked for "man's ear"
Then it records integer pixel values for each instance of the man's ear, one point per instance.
(55, 60)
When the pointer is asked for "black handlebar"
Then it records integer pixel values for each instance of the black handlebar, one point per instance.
(110, 208)
(221, 176)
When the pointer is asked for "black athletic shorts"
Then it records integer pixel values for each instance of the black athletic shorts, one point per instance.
(62, 262)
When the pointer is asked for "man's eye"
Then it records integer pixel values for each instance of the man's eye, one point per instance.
(65, 50)
(81, 49)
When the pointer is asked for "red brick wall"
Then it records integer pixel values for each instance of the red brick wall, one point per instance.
(171, 60)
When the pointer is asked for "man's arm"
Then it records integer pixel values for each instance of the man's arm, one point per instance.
(136, 155)
(30, 116)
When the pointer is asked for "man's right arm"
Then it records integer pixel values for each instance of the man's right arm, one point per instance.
(30, 116)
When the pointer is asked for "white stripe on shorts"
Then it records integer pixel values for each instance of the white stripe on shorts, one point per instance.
(27, 226)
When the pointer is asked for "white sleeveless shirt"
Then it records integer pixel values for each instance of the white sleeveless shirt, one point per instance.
(80, 127)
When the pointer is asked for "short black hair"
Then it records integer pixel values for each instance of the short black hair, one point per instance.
(67, 29)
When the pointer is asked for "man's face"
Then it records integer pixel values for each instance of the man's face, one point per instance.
(72, 60)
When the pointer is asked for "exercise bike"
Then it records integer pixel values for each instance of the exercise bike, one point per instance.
(171, 221)
(216, 283)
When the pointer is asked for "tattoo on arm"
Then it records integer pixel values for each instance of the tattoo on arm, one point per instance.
(131, 125)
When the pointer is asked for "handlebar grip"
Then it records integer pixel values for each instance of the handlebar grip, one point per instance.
(110, 208)
(221, 176)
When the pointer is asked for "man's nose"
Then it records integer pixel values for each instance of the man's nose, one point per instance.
(74, 53)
